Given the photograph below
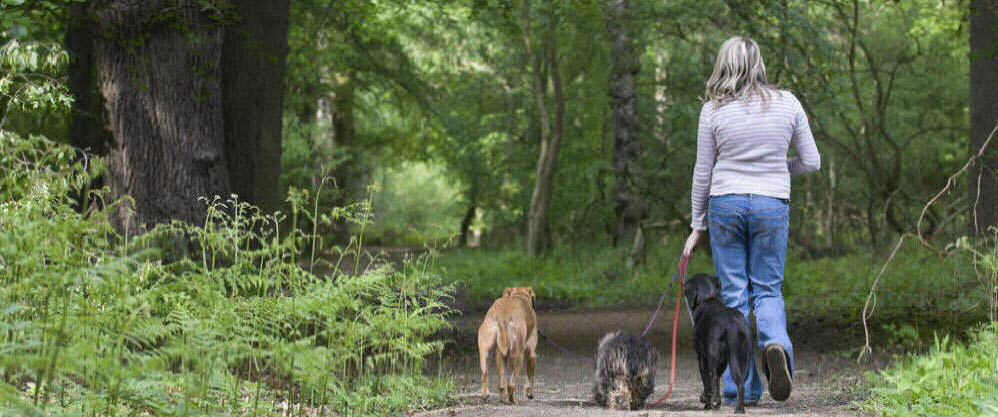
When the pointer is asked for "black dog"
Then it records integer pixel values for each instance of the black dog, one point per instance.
(625, 371)
(720, 337)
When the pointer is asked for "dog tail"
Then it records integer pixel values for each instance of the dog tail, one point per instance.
(503, 338)
(740, 350)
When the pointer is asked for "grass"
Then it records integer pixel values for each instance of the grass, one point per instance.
(952, 379)
(918, 287)
(225, 318)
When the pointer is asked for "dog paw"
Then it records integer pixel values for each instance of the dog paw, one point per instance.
(530, 393)
(703, 398)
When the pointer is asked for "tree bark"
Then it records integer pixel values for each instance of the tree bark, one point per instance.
(158, 63)
(983, 184)
(538, 229)
(84, 126)
(629, 207)
(254, 58)
(344, 132)
(469, 216)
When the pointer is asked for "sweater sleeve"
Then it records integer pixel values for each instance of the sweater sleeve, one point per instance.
(807, 159)
(704, 168)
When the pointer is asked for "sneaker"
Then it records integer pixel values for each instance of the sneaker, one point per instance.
(778, 373)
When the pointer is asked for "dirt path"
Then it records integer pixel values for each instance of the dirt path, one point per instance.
(827, 382)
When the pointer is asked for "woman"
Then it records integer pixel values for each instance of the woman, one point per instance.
(742, 170)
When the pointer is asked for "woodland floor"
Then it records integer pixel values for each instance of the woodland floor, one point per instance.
(828, 381)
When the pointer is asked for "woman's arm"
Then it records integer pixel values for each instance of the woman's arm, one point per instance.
(807, 159)
(704, 168)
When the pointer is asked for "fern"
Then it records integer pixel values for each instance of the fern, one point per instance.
(92, 326)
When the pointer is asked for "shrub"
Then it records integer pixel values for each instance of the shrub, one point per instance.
(90, 325)
(952, 379)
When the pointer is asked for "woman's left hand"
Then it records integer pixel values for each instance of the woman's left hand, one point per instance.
(691, 243)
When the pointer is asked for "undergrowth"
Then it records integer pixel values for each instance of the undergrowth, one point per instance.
(952, 379)
(920, 287)
(239, 325)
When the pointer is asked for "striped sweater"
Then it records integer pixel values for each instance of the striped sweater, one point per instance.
(742, 149)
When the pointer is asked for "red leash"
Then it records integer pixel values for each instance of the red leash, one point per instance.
(675, 329)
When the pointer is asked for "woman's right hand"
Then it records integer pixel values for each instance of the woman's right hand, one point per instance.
(691, 243)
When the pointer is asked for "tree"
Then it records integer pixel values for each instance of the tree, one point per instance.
(538, 229)
(629, 207)
(84, 128)
(253, 67)
(983, 191)
(193, 96)
(158, 65)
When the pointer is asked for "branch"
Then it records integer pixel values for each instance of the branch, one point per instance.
(870, 304)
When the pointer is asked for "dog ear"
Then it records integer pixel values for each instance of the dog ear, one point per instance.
(716, 280)
(533, 295)
(690, 294)
(505, 292)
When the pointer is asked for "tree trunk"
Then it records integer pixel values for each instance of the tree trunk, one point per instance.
(158, 62)
(469, 216)
(538, 229)
(254, 58)
(983, 198)
(624, 67)
(85, 130)
(84, 126)
(343, 137)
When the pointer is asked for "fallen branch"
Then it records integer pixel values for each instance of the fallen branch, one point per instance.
(871, 298)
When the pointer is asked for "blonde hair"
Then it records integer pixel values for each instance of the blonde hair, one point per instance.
(739, 73)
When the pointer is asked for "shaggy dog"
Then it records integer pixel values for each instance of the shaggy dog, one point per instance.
(720, 337)
(511, 326)
(625, 371)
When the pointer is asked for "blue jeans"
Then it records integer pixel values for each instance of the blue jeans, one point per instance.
(748, 239)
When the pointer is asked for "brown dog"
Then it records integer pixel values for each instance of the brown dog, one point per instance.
(511, 326)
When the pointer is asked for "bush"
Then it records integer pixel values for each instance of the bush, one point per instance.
(90, 325)
(952, 379)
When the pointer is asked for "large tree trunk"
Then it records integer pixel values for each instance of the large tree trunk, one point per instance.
(629, 207)
(538, 229)
(158, 62)
(85, 132)
(84, 126)
(983, 113)
(254, 58)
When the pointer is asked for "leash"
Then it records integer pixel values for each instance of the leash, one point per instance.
(565, 350)
(681, 271)
(675, 328)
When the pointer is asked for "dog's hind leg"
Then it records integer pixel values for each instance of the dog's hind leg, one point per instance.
(486, 339)
(483, 360)
(517, 364)
(715, 385)
(705, 378)
(738, 374)
(501, 370)
(531, 364)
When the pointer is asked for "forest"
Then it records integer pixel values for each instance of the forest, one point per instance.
(305, 207)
